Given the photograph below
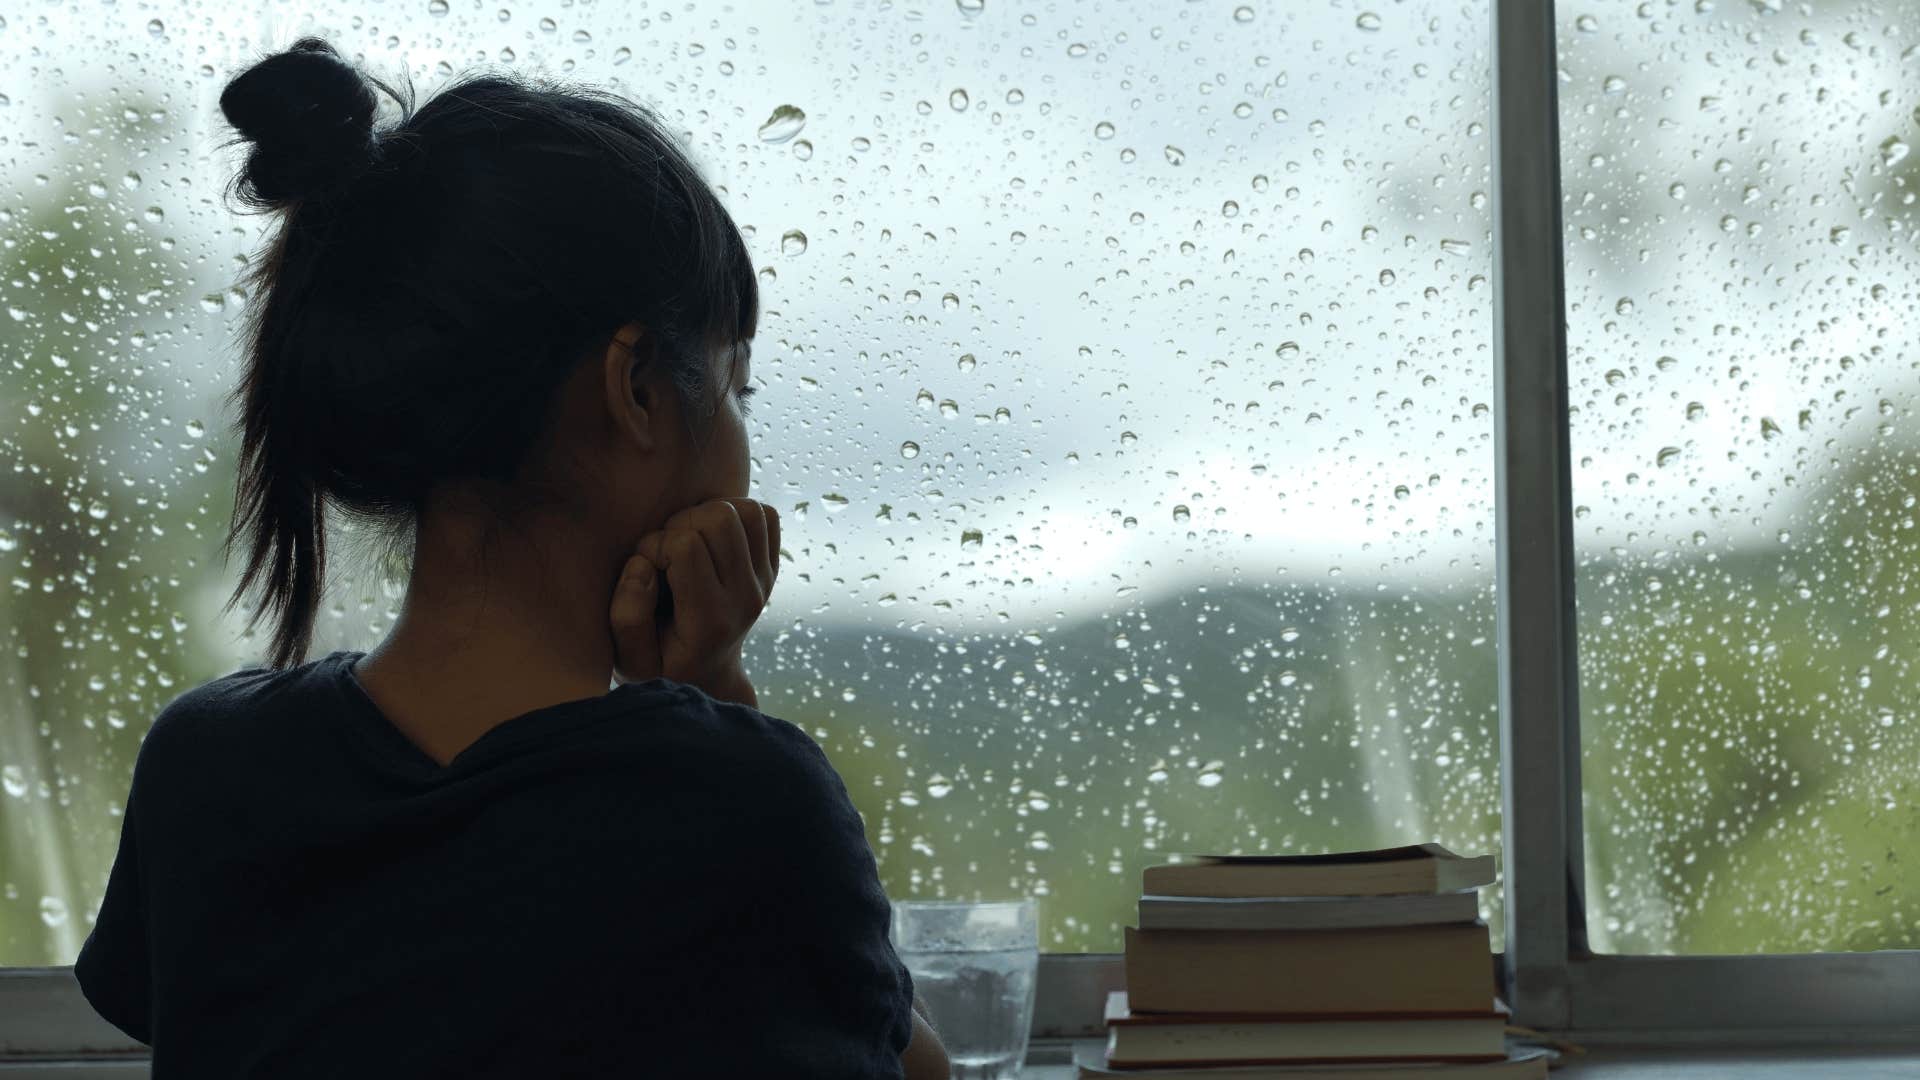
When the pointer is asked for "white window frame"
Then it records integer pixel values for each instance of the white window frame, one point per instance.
(1553, 981)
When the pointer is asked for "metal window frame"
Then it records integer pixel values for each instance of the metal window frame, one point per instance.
(1554, 982)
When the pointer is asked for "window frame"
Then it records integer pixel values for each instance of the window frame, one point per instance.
(1549, 976)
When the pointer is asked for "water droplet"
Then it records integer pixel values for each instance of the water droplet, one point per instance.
(1017, 236)
(1402, 492)
(957, 101)
(793, 242)
(1456, 247)
(970, 8)
(1586, 24)
(1229, 209)
(1243, 110)
(966, 362)
(971, 539)
(1615, 376)
(96, 189)
(949, 408)
(196, 429)
(1181, 515)
(1038, 841)
(1677, 190)
(1623, 307)
(1287, 350)
(1103, 130)
(834, 502)
(909, 449)
(1367, 20)
(13, 781)
(7, 542)
(1128, 438)
(1211, 774)
(1386, 277)
(97, 510)
(1695, 410)
(1158, 773)
(1127, 155)
(1243, 14)
(1015, 96)
(950, 302)
(784, 124)
(156, 27)
(436, 7)
(1768, 429)
(212, 302)
(924, 399)
(1176, 156)
(131, 181)
(621, 55)
(803, 149)
(1893, 151)
(53, 911)
(938, 787)
(1077, 50)
(1666, 456)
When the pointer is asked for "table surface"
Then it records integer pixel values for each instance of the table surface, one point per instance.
(1606, 1063)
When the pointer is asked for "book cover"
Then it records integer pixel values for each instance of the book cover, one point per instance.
(1444, 968)
(1306, 912)
(1421, 868)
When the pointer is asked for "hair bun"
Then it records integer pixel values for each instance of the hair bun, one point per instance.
(309, 116)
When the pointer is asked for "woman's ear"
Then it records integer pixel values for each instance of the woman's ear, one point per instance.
(628, 369)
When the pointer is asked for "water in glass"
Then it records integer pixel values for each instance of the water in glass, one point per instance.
(982, 1006)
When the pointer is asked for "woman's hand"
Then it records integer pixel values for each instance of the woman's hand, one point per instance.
(690, 592)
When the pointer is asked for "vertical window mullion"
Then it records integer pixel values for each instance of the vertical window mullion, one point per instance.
(1539, 693)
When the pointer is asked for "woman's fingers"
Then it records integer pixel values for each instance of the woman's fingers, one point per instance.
(631, 620)
(755, 518)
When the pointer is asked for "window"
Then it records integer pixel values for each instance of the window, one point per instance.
(1740, 266)
(1154, 395)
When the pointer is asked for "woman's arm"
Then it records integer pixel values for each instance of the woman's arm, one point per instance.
(925, 1058)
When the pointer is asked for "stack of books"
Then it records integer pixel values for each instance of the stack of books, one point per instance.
(1351, 966)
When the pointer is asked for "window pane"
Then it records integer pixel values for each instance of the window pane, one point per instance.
(1740, 287)
(1126, 375)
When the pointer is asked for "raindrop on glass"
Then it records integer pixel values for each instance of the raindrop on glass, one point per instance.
(784, 124)
(793, 242)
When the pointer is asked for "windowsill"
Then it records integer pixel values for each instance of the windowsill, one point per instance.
(1655, 1063)
(1599, 1063)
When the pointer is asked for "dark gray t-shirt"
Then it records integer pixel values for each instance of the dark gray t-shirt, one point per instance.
(649, 883)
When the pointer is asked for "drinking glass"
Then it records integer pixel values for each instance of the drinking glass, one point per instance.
(974, 965)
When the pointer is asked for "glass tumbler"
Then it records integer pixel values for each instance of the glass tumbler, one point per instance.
(974, 964)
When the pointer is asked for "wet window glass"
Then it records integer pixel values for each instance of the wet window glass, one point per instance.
(1739, 213)
(1125, 390)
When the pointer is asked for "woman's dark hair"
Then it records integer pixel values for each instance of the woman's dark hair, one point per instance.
(432, 283)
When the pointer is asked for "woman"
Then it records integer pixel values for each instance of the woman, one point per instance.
(509, 336)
